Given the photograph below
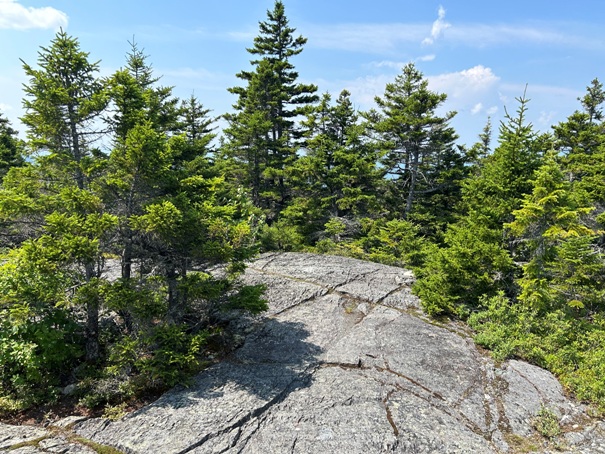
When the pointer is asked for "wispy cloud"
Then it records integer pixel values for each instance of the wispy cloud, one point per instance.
(545, 118)
(397, 64)
(389, 39)
(15, 16)
(480, 108)
(477, 108)
(429, 57)
(368, 38)
(362, 89)
(540, 90)
(388, 64)
(560, 34)
(438, 27)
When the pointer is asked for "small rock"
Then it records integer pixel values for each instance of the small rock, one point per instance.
(69, 421)
(69, 389)
(364, 308)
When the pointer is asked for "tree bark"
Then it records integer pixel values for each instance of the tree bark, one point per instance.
(92, 321)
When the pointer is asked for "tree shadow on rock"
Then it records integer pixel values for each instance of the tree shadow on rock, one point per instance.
(274, 361)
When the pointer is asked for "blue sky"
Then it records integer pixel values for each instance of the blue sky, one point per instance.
(480, 53)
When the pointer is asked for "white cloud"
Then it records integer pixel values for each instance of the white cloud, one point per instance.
(429, 57)
(389, 38)
(363, 89)
(465, 89)
(5, 107)
(477, 108)
(388, 64)
(545, 118)
(398, 65)
(492, 110)
(464, 84)
(15, 16)
(438, 27)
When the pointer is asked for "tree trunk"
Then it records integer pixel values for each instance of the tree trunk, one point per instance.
(127, 258)
(175, 309)
(92, 321)
(413, 176)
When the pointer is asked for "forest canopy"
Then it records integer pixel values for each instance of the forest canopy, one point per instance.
(127, 216)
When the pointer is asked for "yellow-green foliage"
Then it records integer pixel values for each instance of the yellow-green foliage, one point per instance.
(547, 423)
(572, 348)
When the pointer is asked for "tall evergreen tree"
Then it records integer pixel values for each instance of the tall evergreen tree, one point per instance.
(64, 100)
(581, 140)
(505, 176)
(262, 134)
(475, 260)
(550, 226)
(338, 176)
(416, 140)
(143, 116)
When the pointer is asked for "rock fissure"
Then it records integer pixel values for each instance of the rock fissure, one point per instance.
(531, 383)
(271, 257)
(500, 389)
(255, 413)
(300, 303)
(388, 369)
(392, 292)
(441, 404)
(390, 419)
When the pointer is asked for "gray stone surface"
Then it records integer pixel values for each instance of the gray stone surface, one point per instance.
(346, 362)
(36, 440)
(12, 435)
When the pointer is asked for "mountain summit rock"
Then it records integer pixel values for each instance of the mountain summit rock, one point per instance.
(345, 361)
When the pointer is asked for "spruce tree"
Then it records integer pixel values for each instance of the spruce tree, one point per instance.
(143, 116)
(64, 100)
(337, 178)
(551, 233)
(581, 140)
(262, 133)
(416, 140)
(475, 260)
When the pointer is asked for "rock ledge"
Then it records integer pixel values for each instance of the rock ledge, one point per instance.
(346, 362)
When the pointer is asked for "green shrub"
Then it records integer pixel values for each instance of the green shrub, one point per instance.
(36, 352)
(572, 348)
(281, 237)
(547, 423)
